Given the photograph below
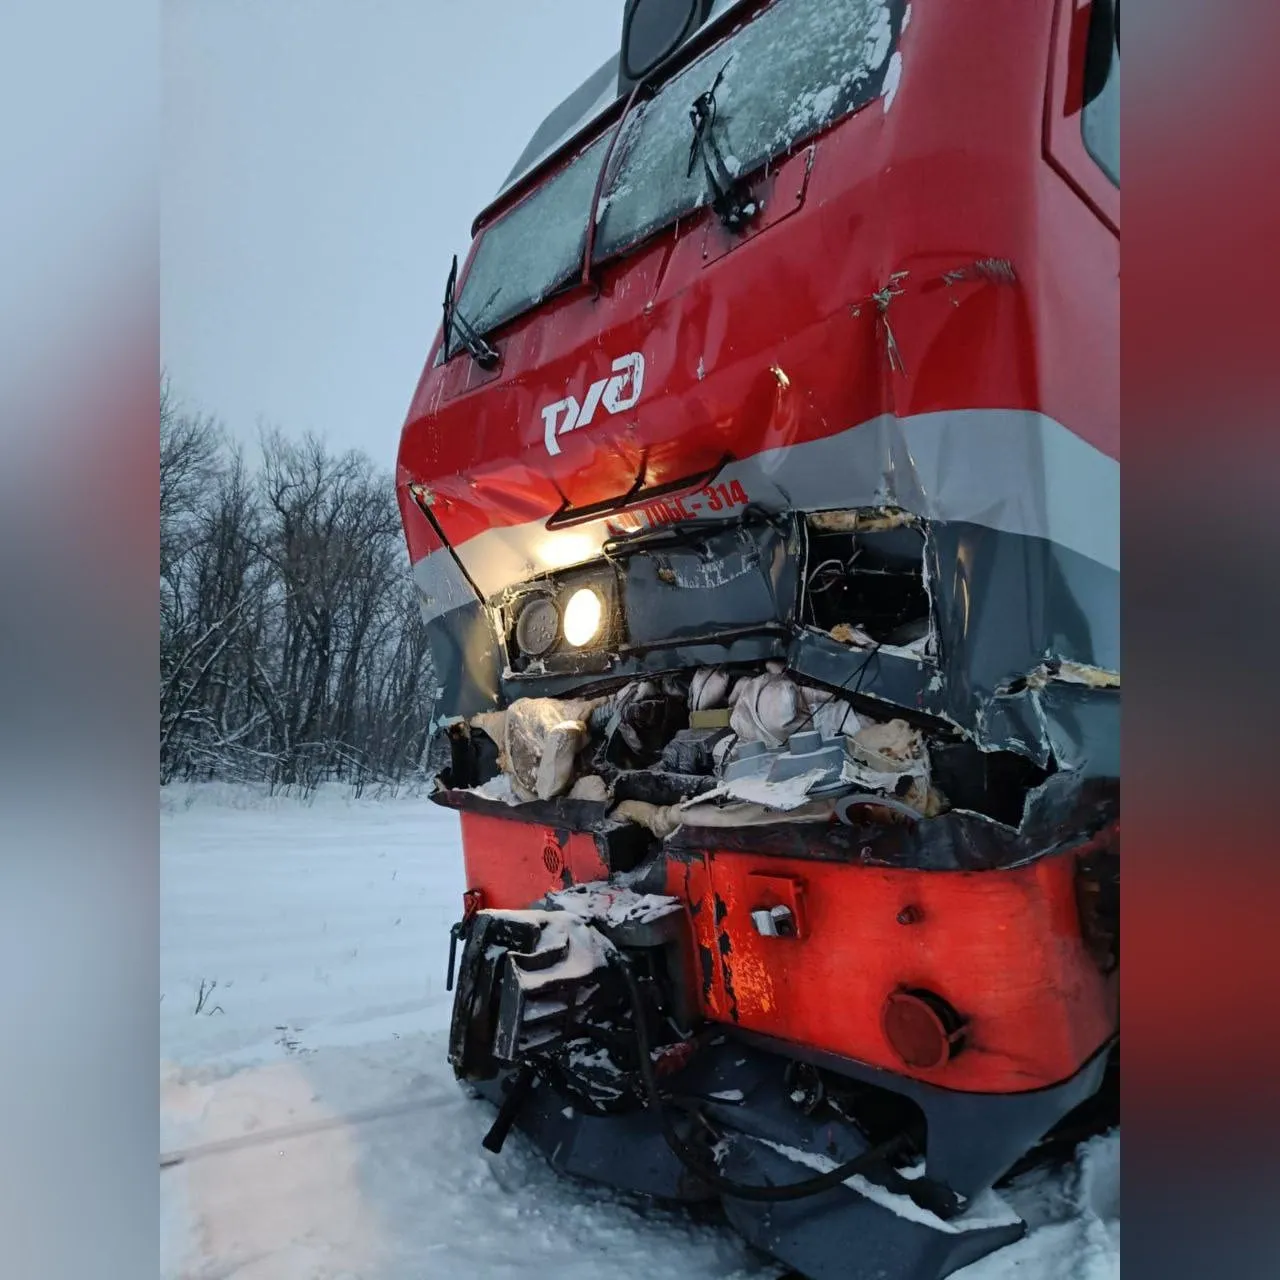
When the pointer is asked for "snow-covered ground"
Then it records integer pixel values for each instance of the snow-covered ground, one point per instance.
(310, 1125)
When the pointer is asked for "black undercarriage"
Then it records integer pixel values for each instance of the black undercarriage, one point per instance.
(573, 1019)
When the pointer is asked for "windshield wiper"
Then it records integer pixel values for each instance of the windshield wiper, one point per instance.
(480, 351)
(731, 201)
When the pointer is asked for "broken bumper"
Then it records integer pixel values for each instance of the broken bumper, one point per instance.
(860, 1230)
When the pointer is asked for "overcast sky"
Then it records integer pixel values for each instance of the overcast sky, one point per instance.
(323, 159)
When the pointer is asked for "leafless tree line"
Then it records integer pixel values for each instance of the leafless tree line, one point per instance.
(291, 646)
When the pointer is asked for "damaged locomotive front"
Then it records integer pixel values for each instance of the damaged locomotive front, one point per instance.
(829, 666)
(763, 509)
(760, 798)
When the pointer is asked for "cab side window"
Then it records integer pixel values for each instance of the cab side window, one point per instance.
(1101, 116)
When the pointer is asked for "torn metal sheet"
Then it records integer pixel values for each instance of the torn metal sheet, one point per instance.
(806, 755)
(711, 582)
(1017, 650)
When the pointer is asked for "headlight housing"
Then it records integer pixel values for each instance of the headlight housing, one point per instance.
(558, 623)
(537, 626)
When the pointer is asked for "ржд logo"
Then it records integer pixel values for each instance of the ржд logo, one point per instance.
(617, 393)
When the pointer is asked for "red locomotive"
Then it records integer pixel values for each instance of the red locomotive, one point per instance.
(762, 493)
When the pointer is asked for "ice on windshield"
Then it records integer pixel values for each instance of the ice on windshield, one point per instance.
(534, 248)
(788, 74)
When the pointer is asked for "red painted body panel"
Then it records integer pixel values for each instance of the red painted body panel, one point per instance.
(1004, 949)
(958, 170)
(515, 863)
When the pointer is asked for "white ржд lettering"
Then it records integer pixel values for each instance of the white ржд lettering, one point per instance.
(617, 393)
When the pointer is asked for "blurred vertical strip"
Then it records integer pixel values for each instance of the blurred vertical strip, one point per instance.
(1201, 298)
(78, 549)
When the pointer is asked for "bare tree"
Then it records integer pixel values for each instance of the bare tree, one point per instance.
(189, 456)
(292, 649)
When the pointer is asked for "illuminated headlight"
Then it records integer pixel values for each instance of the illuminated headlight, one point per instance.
(583, 617)
(556, 625)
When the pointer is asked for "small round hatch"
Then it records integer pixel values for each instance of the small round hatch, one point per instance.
(922, 1028)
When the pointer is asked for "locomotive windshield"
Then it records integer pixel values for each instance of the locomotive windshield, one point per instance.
(799, 67)
(791, 72)
(535, 248)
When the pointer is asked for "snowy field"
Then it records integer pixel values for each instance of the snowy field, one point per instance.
(310, 1125)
